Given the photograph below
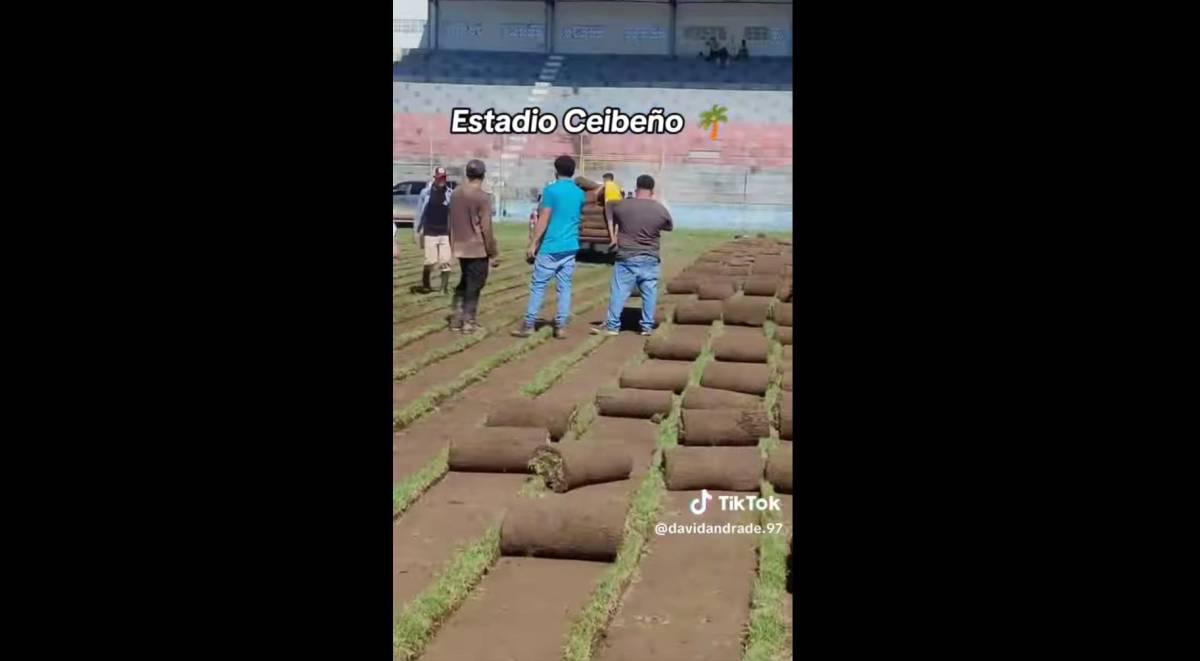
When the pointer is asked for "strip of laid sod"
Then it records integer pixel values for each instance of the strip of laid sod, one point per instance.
(405, 339)
(420, 618)
(410, 488)
(435, 355)
(462, 344)
(588, 626)
(433, 302)
(766, 638)
(429, 401)
(407, 490)
(550, 374)
(434, 396)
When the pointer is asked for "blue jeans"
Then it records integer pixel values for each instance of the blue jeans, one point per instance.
(560, 266)
(640, 271)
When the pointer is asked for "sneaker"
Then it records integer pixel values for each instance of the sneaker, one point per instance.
(524, 331)
(646, 333)
(604, 331)
(560, 333)
(470, 327)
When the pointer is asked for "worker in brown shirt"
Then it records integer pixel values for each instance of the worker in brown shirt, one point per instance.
(472, 243)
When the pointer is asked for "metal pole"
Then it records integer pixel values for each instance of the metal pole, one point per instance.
(671, 37)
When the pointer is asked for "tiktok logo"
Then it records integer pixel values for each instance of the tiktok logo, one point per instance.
(700, 504)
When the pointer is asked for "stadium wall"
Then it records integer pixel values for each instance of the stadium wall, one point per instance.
(592, 26)
(494, 25)
(410, 25)
(632, 28)
(766, 27)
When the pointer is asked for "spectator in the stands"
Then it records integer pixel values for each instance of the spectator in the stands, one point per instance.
(742, 53)
(723, 55)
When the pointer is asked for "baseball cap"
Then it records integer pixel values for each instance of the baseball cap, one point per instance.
(439, 172)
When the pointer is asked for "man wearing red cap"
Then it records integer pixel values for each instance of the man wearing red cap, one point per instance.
(433, 230)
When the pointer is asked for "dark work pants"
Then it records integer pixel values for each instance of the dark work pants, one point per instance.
(474, 277)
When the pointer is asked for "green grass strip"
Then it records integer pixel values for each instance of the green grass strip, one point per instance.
(767, 638)
(417, 622)
(550, 374)
(606, 598)
(434, 355)
(410, 488)
(434, 396)
(407, 338)
(643, 512)
(774, 390)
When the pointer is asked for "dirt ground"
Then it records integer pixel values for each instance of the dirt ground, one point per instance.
(690, 597)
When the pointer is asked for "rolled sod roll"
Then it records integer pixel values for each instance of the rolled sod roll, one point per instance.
(660, 315)
(761, 285)
(682, 285)
(726, 469)
(554, 417)
(698, 312)
(787, 353)
(741, 348)
(782, 312)
(715, 291)
(706, 268)
(699, 397)
(586, 184)
(497, 449)
(566, 467)
(563, 527)
(745, 310)
(736, 270)
(633, 402)
(768, 265)
(784, 335)
(738, 377)
(657, 375)
(779, 468)
(723, 427)
(785, 418)
(676, 346)
(593, 236)
(787, 377)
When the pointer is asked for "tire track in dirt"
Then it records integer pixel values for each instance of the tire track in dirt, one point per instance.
(692, 598)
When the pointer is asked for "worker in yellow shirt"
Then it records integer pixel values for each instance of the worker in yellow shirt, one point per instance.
(612, 192)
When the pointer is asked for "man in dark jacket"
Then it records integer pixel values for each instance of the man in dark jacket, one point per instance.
(473, 244)
(432, 230)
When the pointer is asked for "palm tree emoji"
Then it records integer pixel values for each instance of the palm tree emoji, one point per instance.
(713, 117)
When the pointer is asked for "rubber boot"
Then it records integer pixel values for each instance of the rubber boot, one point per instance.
(456, 314)
(445, 282)
(425, 271)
